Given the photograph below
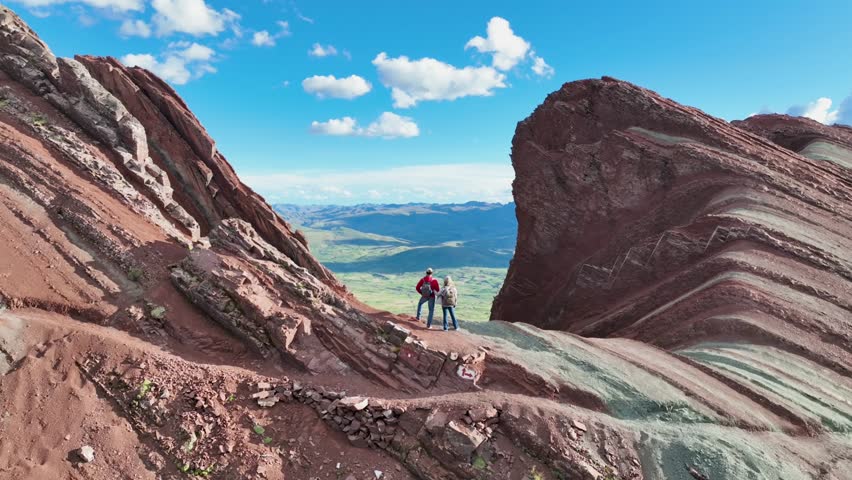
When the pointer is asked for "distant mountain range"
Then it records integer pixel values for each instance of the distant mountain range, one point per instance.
(413, 235)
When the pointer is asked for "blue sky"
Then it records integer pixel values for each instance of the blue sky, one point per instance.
(346, 102)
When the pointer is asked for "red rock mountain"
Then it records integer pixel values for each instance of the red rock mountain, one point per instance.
(155, 309)
(642, 218)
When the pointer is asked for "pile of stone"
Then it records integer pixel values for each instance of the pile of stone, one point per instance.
(483, 419)
(366, 425)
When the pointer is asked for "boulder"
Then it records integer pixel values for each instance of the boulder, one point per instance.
(461, 440)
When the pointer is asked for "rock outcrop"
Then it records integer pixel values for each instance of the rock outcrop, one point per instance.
(725, 244)
(629, 204)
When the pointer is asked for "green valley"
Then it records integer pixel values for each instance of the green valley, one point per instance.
(380, 251)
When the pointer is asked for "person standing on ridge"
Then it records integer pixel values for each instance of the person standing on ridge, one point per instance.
(427, 287)
(449, 296)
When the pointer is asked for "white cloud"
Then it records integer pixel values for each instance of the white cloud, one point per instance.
(319, 51)
(343, 127)
(303, 17)
(135, 28)
(197, 53)
(819, 110)
(350, 87)
(507, 49)
(541, 68)
(389, 125)
(118, 5)
(335, 190)
(263, 39)
(194, 17)
(181, 63)
(483, 182)
(412, 81)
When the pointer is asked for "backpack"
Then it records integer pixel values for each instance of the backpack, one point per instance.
(451, 296)
(426, 288)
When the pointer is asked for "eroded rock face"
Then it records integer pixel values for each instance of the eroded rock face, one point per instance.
(181, 146)
(804, 136)
(641, 217)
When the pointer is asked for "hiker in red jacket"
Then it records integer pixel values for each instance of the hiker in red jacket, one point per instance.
(427, 287)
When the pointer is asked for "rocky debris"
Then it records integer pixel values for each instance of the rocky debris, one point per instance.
(86, 454)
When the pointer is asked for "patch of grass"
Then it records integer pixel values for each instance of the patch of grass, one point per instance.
(259, 429)
(135, 274)
(535, 474)
(205, 472)
(144, 388)
(39, 121)
(267, 440)
(479, 463)
(231, 398)
(158, 312)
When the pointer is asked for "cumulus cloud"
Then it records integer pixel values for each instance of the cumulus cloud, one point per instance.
(193, 17)
(118, 5)
(181, 63)
(819, 110)
(265, 39)
(319, 51)
(412, 81)
(541, 68)
(389, 125)
(483, 182)
(135, 28)
(329, 86)
(339, 127)
(506, 48)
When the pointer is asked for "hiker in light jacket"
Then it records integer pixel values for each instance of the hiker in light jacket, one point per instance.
(427, 287)
(449, 295)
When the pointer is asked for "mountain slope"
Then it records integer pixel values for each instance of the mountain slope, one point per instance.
(153, 308)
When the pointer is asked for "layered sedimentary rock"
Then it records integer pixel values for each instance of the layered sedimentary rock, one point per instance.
(633, 210)
(146, 289)
(726, 244)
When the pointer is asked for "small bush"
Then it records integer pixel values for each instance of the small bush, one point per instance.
(135, 274)
(535, 474)
(158, 313)
(144, 389)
